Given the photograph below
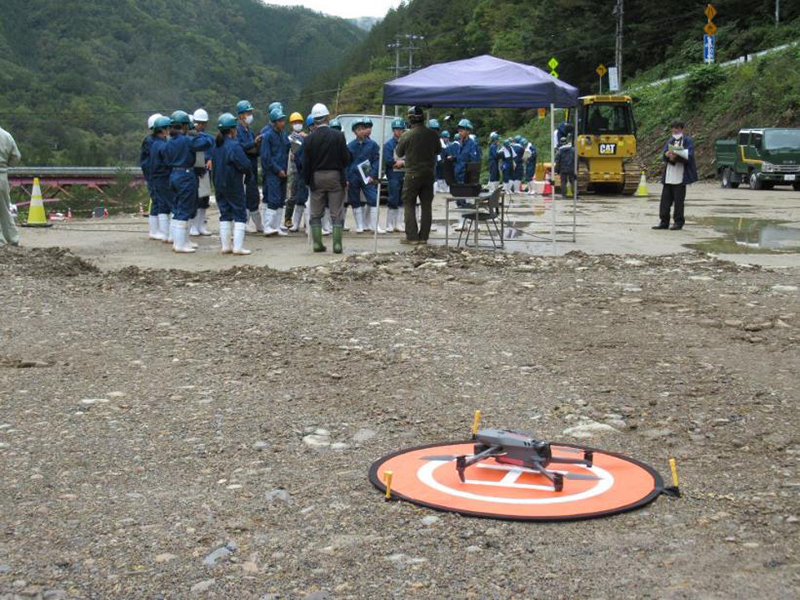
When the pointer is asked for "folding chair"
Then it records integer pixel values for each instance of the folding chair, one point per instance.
(487, 216)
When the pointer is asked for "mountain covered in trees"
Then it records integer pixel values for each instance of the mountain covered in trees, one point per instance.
(78, 78)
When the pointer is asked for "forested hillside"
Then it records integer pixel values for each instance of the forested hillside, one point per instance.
(78, 78)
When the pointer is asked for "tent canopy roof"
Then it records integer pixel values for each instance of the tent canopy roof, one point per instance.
(480, 82)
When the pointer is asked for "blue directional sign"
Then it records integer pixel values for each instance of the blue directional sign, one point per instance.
(709, 48)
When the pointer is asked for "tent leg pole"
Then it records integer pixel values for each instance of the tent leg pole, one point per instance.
(575, 191)
(380, 178)
(552, 172)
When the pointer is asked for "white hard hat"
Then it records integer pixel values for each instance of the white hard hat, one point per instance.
(200, 115)
(319, 110)
(152, 119)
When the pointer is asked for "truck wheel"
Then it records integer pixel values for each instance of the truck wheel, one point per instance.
(727, 179)
(796, 186)
(755, 183)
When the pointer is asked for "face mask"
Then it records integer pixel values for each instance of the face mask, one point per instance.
(298, 127)
(248, 119)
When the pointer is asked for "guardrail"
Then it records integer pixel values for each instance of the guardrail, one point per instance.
(73, 171)
(58, 179)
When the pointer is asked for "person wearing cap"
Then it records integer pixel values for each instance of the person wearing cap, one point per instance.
(326, 215)
(363, 150)
(325, 159)
(9, 156)
(494, 161)
(680, 170)
(181, 154)
(250, 144)
(230, 166)
(418, 147)
(197, 225)
(160, 173)
(466, 151)
(296, 135)
(394, 168)
(144, 163)
(507, 165)
(275, 165)
(565, 165)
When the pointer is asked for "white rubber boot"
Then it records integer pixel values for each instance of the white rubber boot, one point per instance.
(155, 232)
(358, 215)
(268, 217)
(277, 222)
(200, 222)
(180, 234)
(165, 228)
(326, 222)
(373, 220)
(400, 220)
(258, 224)
(297, 218)
(389, 227)
(239, 231)
(225, 231)
(193, 231)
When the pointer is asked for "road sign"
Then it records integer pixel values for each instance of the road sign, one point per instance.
(554, 73)
(709, 48)
(711, 12)
(601, 70)
(552, 63)
(613, 80)
(542, 113)
(710, 28)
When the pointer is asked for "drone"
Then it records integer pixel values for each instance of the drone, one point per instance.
(520, 449)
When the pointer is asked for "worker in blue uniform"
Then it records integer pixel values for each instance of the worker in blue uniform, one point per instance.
(144, 163)
(230, 166)
(160, 173)
(519, 164)
(363, 149)
(395, 169)
(530, 164)
(197, 224)
(275, 146)
(250, 144)
(467, 151)
(180, 154)
(507, 165)
(495, 157)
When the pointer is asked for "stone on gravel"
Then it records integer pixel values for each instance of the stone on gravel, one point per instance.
(430, 520)
(472, 549)
(589, 429)
(54, 595)
(166, 557)
(260, 446)
(362, 435)
(221, 552)
(658, 433)
(202, 587)
(278, 495)
(321, 595)
(784, 288)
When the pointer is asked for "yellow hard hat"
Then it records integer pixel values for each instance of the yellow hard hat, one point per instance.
(295, 117)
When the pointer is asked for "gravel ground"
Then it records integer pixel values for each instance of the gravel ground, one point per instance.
(153, 424)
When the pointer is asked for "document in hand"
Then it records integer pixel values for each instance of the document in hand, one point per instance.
(679, 151)
(364, 170)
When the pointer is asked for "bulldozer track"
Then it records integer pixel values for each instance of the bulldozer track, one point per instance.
(633, 173)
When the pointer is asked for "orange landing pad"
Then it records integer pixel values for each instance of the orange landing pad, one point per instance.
(502, 491)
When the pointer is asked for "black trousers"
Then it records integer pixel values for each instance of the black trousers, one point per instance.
(672, 194)
(418, 186)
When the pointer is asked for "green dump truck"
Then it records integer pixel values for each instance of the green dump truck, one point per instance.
(762, 158)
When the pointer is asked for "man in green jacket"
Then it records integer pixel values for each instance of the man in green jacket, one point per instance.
(419, 146)
(9, 155)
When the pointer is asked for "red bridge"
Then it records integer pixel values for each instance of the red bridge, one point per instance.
(60, 179)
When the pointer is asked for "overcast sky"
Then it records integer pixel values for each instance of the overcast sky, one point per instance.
(346, 8)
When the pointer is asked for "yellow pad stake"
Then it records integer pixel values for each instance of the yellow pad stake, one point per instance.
(387, 478)
(673, 466)
(476, 424)
(36, 215)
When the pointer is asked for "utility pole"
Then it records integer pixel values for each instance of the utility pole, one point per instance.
(777, 12)
(398, 47)
(619, 12)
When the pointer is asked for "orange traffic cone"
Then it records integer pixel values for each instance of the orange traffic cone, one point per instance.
(105, 212)
(69, 213)
(36, 214)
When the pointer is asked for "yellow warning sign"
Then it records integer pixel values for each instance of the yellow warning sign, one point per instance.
(542, 113)
(554, 73)
(552, 63)
(711, 12)
(601, 70)
(710, 28)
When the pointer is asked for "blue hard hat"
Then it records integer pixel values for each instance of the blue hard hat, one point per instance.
(275, 105)
(334, 124)
(517, 138)
(180, 117)
(445, 134)
(226, 121)
(367, 122)
(507, 142)
(356, 122)
(465, 124)
(161, 122)
(243, 106)
(433, 124)
(309, 121)
(276, 114)
(399, 124)
(523, 140)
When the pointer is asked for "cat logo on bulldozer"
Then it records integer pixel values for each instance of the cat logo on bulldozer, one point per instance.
(608, 148)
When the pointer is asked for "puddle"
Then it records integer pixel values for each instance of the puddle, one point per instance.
(748, 236)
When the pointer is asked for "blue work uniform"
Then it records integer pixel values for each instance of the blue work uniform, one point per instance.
(230, 168)
(494, 162)
(530, 167)
(180, 154)
(160, 172)
(440, 158)
(467, 153)
(394, 176)
(507, 167)
(144, 163)
(200, 171)
(367, 150)
(274, 159)
(302, 188)
(519, 165)
(245, 137)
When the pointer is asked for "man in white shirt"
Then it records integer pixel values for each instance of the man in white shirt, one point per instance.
(680, 170)
(9, 155)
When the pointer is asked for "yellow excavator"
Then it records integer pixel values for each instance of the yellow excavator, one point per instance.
(606, 145)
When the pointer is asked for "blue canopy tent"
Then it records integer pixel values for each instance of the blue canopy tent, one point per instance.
(484, 82)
